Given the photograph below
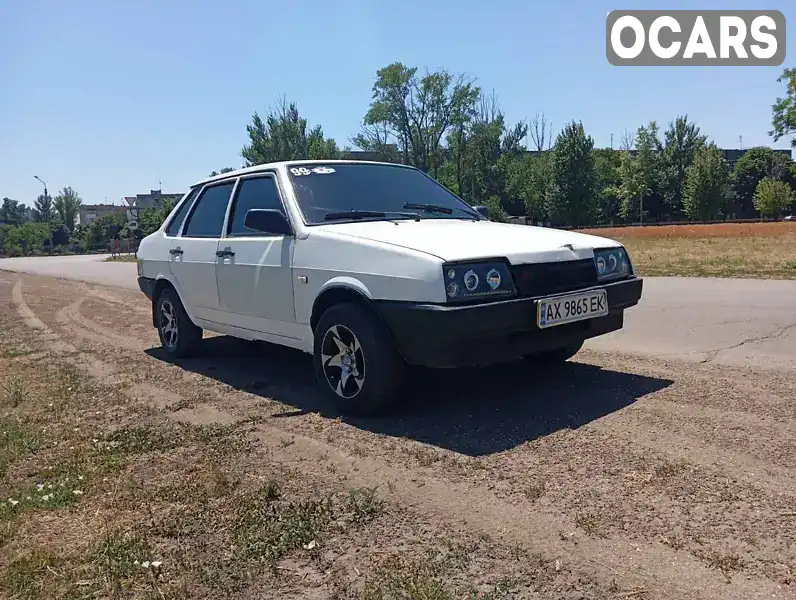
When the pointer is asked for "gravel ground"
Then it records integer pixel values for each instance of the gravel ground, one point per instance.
(617, 476)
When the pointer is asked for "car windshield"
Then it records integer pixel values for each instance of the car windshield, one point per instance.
(326, 193)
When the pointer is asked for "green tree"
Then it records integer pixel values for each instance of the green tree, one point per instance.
(25, 239)
(43, 209)
(496, 211)
(755, 165)
(221, 172)
(773, 196)
(682, 141)
(284, 136)
(608, 163)
(707, 185)
(100, 232)
(572, 198)
(783, 120)
(150, 220)
(12, 212)
(67, 204)
(418, 112)
(639, 173)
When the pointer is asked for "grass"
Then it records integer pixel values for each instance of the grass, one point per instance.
(756, 250)
(122, 258)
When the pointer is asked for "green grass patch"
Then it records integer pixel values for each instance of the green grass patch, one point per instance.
(28, 576)
(16, 441)
(364, 505)
(127, 258)
(266, 528)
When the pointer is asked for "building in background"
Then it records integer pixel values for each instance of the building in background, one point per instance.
(91, 212)
(733, 155)
(154, 200)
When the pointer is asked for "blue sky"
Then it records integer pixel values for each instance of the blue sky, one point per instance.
(113, 97)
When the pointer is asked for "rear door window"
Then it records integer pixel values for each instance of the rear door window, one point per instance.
(207, 218)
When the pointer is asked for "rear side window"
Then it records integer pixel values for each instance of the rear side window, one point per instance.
(207, 218)
(260, 192)
(179, 215)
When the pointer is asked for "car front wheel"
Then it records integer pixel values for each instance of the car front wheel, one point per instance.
(178, 335)
(356, 362)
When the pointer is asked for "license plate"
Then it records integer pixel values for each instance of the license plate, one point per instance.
(558, 310)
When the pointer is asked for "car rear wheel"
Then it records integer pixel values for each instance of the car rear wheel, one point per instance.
(356, 362)
(556, 356)
(178, 335)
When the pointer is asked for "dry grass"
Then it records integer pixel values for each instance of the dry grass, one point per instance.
(758, 250)
(121, 258)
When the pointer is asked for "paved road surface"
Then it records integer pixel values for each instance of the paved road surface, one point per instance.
(729, 321)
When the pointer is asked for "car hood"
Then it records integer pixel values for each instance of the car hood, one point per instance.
(455, 239)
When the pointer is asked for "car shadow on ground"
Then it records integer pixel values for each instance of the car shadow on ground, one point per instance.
(475, 412)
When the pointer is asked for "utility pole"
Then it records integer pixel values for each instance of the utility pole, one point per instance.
(49, 223)
(740, 141)
(612, 141)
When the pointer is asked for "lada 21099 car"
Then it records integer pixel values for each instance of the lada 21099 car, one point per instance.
(370, 267)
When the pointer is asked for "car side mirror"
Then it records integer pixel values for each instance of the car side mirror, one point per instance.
(267, 220)
(483, 211)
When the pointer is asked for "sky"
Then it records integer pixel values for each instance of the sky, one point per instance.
(118, 98)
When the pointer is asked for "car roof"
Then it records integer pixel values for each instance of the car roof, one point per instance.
(287, 163)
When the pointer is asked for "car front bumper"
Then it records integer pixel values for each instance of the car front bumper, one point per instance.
(434, 335)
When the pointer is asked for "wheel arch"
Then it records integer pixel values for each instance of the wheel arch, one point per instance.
(339, 292)
(161, 284)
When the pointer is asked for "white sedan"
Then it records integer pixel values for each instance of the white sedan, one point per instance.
(370, 267)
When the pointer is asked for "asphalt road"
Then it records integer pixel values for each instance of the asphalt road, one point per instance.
(728, 321)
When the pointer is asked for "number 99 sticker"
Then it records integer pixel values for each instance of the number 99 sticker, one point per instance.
(299, 171)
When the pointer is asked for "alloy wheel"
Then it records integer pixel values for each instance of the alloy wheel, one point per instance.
(168, 323)
(343, 361)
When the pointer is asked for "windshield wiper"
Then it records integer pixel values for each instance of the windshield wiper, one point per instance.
(438, 208)
(367, 214)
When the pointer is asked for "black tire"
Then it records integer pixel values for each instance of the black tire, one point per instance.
(184, 338)
(375, 370)
(554, 357)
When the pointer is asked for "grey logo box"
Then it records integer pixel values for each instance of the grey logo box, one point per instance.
(686, 19)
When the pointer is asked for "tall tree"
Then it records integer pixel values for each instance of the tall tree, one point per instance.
(43, 209)
(682, 141)
(707, 185)
(12, 212)
(755, 165)
(639, 173)
(418, 111)
(783, 121)
(773, 196)
(67, 204)
(608, 162)
(284, 136)
(541, 131)
(572, 199)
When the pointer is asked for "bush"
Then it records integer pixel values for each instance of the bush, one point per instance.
(496, 211)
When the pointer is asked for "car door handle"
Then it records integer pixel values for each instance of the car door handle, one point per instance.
(225, 253)
(175, 251)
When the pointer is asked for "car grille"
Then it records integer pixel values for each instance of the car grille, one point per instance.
(542, 279)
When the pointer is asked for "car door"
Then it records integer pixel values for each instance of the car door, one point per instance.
(193, 253)
(254, 272)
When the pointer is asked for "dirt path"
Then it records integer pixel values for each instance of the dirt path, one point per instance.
(628, 478)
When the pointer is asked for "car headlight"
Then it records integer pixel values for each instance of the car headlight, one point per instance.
(611, 263)
(140, 266)
(475, 281)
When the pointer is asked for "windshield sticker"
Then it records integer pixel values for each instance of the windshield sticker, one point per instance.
(298, 171)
